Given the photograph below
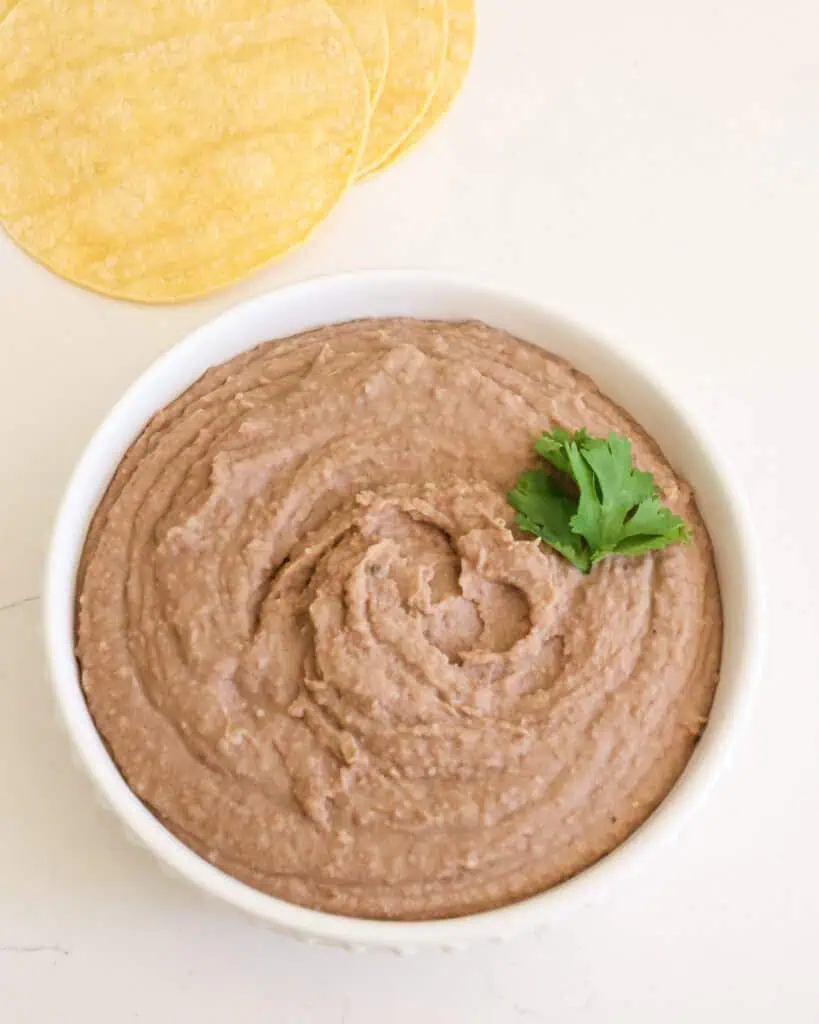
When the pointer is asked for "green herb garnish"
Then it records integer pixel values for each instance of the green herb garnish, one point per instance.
(596, 504)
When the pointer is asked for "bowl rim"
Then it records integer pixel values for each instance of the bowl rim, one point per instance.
(68, 537)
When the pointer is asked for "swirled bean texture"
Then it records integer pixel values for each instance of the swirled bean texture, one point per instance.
(321, 652)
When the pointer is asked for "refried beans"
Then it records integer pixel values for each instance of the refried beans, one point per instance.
(323, 655)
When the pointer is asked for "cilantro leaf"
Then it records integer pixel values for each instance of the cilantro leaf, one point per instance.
(545, 510)
(616, 510)
(650, 527)
(553, 446)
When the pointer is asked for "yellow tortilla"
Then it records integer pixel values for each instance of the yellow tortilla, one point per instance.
(157, 150)
(366, 21)
(459, 49)
(418, 31)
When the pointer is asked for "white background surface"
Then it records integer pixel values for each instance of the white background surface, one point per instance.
(652, 170)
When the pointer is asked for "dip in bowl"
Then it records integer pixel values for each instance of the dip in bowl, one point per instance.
(335, 685)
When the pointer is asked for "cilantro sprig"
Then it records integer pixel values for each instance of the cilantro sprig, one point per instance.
(594, 503)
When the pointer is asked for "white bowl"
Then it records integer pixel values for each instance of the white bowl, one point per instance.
(408, 293)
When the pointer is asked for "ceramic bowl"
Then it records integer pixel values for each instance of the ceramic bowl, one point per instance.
(328, 300)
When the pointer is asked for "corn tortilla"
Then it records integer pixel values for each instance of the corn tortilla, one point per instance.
(418, 32)
(158, 151)
(366, 21)
(459, 49)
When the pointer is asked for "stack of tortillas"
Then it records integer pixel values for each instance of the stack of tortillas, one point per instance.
(157, 150)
